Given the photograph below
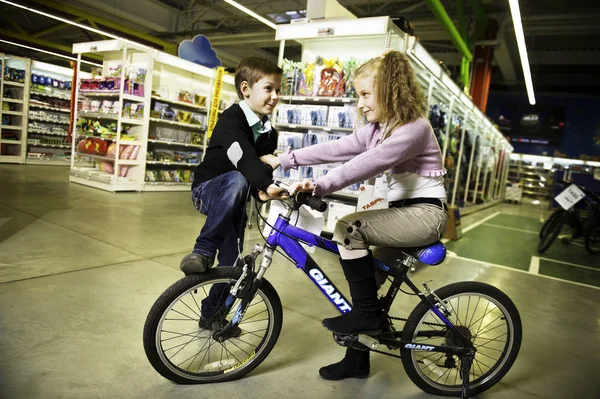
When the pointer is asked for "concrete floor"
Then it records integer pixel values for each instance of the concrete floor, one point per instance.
(80, 269)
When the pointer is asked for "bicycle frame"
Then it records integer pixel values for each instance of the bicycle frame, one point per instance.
(287, 236)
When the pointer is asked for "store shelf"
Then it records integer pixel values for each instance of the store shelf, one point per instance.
(12, 100)
(15, 142)
(99, 93)
(48, 133)
(10, 127)
(102, 184)
(10, 159)
(123, 142)
(66, 96)
(49, 145)
(102, 158)
(182, 103)
(195, 127)
(48, 161)
(175, 143)
(10, 83)
(337, 100)
(33, 105)
(11, 113)
(311, 127)
(171, 163)
(91, 115)
(166, 186)
(131, 97)
(46, 120)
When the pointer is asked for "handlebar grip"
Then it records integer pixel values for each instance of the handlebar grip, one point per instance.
(315, 203)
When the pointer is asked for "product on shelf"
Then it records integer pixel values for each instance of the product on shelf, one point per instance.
(327, 77)
(344, 116)
(14, 74)
(133, 110)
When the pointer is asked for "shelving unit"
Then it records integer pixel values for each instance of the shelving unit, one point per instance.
(105, 134)
(170, 123)
(14, 90)
(477, 159)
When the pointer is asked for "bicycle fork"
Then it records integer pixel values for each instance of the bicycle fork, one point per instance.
(245, 288)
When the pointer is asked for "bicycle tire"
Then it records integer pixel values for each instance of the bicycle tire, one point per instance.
(552, 231)
(152, 342)
(592, 235)
(550, 220)
(486, 380)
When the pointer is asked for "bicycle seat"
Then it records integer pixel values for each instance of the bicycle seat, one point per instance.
(432, 254)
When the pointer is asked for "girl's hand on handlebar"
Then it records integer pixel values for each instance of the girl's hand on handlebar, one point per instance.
(305, 186)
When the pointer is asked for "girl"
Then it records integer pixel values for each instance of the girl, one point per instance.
(399, 142)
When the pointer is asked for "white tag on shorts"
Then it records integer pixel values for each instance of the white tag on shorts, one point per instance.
(381, 187)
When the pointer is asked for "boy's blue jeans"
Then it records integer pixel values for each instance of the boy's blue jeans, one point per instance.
(223, 200)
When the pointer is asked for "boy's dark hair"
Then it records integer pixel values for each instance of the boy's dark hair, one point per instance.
(253, 69)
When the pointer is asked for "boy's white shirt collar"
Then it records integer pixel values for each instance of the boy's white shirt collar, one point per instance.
(264, 125)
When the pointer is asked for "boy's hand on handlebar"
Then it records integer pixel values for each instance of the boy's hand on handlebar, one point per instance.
(271, 160)
(305, 186)
(273, 192)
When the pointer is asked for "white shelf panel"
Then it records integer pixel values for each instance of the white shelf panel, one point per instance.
(46, 120)
(175, 102)
(130, 121)
(10, 127)
(99, 93)
(171, 163)
(91, 181)
(166, 186)
(68, 111)
(337, 100)
(11, 113)
(12, 100)
(195, 127)
(311, 127)
(10, 83)
(10, 159)
(15, 142)
(97, 116)
(131, 97)
(175, 143)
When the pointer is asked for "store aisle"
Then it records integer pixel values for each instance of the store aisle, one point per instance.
(80, 268)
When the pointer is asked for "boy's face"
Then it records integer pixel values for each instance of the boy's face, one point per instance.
(263, 96)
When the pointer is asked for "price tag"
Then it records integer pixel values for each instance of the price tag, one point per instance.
(569, 197)
(381, 187)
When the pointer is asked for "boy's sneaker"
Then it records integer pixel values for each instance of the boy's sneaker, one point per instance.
(196, 263)
(218, 325)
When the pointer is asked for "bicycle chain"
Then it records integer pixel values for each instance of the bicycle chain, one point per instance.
(364, 349)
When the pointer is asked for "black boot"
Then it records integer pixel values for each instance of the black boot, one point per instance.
(366, 316)
(354, 365)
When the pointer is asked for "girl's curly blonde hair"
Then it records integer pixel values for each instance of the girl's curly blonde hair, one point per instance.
(400, 98)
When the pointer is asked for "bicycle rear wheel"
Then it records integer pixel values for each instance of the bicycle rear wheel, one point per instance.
(485, 317)
(181, 347)
(553, 228)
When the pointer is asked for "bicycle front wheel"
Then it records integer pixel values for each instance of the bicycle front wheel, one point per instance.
(486, 319)
(179, 330)
(551, 229)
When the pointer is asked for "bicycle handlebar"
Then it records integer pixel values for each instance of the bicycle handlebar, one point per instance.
(301, 198)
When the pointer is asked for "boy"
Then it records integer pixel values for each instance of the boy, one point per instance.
(242, 138)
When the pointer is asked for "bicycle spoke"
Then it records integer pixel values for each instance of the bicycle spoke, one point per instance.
(192, 355)
(491, 340)
(491, 329)
(474, 312)
(194, 299)
(483, 354)
(197, 338)
(253, 321)
(186, 305)
(179, 335)
(254, 315)
(237, 346)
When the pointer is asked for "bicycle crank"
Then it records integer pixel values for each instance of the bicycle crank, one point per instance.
(350, 340)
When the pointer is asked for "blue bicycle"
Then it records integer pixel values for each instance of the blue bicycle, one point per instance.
(460, 340)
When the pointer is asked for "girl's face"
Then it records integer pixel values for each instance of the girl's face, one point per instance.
(367, 102)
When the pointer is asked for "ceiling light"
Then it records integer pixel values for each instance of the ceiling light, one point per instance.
(49, 52)
(251, 13)
(516, 17)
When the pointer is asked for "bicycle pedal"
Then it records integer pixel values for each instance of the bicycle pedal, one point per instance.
(345, 340)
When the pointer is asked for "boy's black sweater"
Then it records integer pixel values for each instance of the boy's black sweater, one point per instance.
(233, 140)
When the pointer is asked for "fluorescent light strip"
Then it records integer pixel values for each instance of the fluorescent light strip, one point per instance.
(516, 17)
(49, 52)
(251, 13)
